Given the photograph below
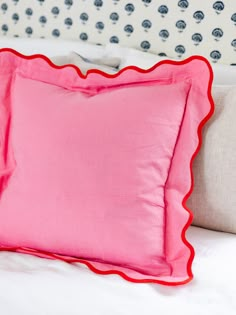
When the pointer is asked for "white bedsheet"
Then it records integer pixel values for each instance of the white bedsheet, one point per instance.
(34, 286)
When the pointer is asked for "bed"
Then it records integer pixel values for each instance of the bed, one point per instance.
(31, 286)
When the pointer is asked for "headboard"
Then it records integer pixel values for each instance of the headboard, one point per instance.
(176, 28)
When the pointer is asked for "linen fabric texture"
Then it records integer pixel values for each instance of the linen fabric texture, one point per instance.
(213, 200)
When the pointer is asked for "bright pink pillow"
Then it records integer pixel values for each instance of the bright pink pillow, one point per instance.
(98, 167)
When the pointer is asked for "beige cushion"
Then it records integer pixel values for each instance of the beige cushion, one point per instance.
(213, 200)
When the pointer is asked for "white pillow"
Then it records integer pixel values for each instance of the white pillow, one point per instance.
(108, 65)
(52, 47)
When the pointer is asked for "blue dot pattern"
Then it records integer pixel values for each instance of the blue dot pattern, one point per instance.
(173, 28)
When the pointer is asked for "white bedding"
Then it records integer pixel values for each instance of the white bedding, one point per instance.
(35, 286)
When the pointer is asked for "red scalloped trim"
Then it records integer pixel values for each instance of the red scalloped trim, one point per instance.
(199, 133)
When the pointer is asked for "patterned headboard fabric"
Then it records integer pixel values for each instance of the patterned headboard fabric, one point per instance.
(176, 28)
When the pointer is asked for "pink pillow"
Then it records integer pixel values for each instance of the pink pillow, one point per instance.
(96, 168)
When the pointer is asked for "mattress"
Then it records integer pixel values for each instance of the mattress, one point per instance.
(35, 286)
